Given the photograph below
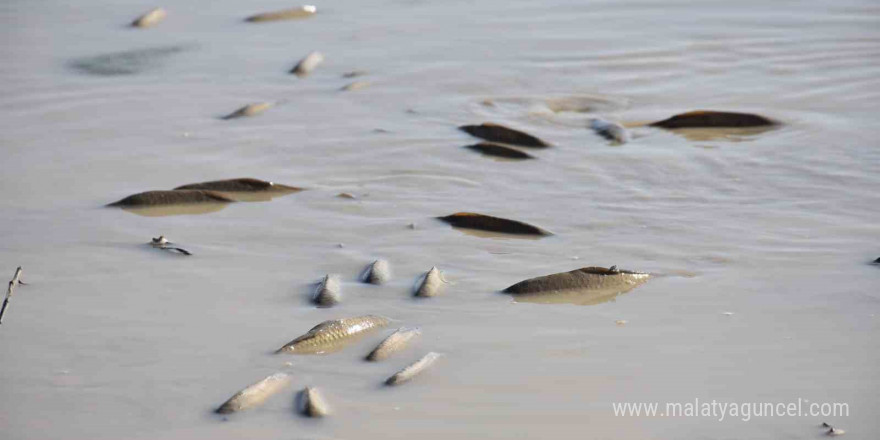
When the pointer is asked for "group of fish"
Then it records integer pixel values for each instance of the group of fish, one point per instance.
(581, 286)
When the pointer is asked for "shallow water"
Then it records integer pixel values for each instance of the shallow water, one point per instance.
(114, 339)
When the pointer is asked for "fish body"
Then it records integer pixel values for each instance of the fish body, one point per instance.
(327, 293)
(378, 272)
(333, 335)
(150, 18)
(312, 403)
(714, 119)
(305, 66)
(256, 394)
(249, 110)
(432, 283)
(393, 343)
(471, 220)
(413, 369)
(610, 130)
(305, 11)
(499, 133)
(161, 198)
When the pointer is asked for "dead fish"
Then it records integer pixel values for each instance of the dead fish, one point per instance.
(357, 85)
(610, 130)
(413, 370)
(499, 150)
(334, 334)
(346, 196)
(482, 222)
(249, 110)
(246, 184)
(834, 432)
(393, 343)
(307, 64)
(305, 11)
(161, 242)
(255, 395)
(499, 133)
(160, 198)
(378, 272)
(432, 283)
(312, 404)
(327, 293)
(713, 119)
(585, 286)
(150, 18)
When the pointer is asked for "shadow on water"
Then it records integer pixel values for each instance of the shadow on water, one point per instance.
(129, 62)
(181, 209)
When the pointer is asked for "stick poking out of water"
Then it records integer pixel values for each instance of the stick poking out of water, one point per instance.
(16, 279)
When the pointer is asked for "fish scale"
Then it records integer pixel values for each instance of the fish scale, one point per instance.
(332, 335)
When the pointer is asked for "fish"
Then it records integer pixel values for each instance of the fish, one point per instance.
(160, 198)
(483, 222)
(249, 110)
(378, 272)
(584, 286)
(150, 18)
(327, 293)
(312, 404)
(305, 11)
(357, 85)
(610, 130)
(333, 335)
(413, 369)
(499, 133)
(256, 394)
(305, 66)
(393, 343)
(432, 283)
(245, 184)
(713, 119)
(498, 150)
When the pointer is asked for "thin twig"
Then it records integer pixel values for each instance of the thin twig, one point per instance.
(16, 280)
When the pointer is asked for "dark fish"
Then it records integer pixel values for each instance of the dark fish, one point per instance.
(499, 133)
(499, 150)
(713, 119)
(255, 395)
(585, 286)
(160, 198)
(334, 335)
(245, 184)
(482, 222)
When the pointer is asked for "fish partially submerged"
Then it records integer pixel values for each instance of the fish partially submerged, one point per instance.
(249, 110)
(413, 369)
(327, 292)
(393, 343)
(256, 394)
(499, 133)
(584, 286)
(162, 198)
(311, 403)
(304, 11)
(378, 272)
(714, 119)
(432, 283)
(610, 130)
(333, 335)
(471, 220)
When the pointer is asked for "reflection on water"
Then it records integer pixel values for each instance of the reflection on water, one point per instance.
(166, 210)
(581, 297)
(258, 196)
(739, 134)
(496, 235)
(128, 62)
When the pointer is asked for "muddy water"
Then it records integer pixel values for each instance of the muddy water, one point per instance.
(114, 339)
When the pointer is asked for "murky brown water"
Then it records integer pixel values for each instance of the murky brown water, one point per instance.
(114, 339)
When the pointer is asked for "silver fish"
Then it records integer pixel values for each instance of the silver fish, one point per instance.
(610, 130)
(327, 293)
(432, 283)
(255, 395)
(307, 64)
(378, 272)
(312, 404)
(413, 370)
(393, 343)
